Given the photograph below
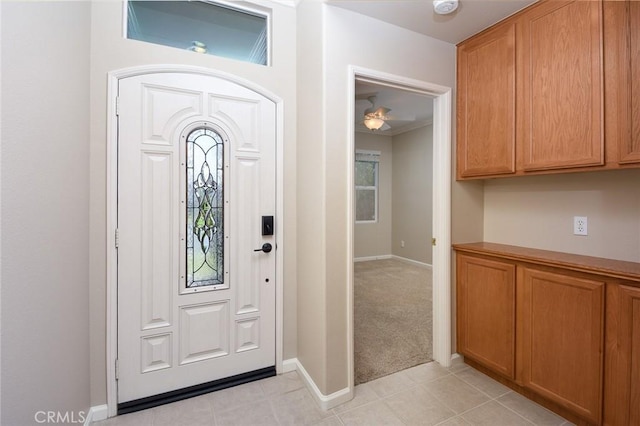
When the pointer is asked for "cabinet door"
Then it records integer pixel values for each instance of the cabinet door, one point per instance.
(486, 104)
(622, 82)
(561, 339)
(622, 368)
(632, 151)
(562, 94)
(486, 312)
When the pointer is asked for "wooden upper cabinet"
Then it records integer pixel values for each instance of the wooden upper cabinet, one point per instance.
(486, 312)
(632, 153)
(622, 356)
(622, 83)
(561, 339)
(554, 88)
(486, 119)
(562, 87)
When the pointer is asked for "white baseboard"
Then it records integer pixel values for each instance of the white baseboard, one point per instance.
(392, 256)
(413, 262)
(96, 413)
(368, 258)
(326, 402)
(289, 365)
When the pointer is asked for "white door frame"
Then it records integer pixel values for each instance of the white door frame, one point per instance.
(112, 208)
(441, 205)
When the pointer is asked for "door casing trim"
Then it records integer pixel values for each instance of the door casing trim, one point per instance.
(441, 220)
(112, 208)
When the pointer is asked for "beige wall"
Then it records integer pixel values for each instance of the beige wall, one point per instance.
(374, 239)
(323, 130)
(538, 212)
(412, 194)
(405, 197)
(312, 319)
(45, 209)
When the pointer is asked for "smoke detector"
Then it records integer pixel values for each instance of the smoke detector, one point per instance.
(443, 7)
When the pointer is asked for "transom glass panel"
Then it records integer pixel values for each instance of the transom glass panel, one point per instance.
(205, 208)
(202, 27)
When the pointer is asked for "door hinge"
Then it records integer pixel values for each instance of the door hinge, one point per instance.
(433, 241)
(117, 105)
(117, 238)
(117, 369)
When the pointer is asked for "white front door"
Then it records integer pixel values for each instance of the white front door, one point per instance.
(196, 174)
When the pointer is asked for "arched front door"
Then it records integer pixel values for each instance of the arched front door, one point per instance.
(196, 199)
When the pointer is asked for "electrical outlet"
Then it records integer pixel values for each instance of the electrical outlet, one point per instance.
(580, 225)
(402, 243)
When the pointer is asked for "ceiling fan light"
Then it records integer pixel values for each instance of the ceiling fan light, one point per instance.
(373, 123)
(443, 7)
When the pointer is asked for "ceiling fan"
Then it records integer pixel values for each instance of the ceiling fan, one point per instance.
(374, 118)
(377, 118)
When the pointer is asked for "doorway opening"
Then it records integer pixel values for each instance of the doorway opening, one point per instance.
(392, 232)
(364, 84)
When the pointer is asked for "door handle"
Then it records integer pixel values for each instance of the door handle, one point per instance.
(266, 247)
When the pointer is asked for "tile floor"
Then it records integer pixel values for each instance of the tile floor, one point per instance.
(424, 395)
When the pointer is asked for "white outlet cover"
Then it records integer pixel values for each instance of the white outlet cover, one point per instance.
(580, 225)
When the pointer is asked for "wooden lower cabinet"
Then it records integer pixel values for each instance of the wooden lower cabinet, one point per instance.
(486, 312)
(561, 329)
(622, 356)
(560, 339)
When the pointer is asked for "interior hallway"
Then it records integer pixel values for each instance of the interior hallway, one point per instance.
(423, 395)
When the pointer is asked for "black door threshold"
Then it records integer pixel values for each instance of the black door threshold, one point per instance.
(191, 391)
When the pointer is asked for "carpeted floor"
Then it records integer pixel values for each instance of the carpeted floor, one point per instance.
(393, 318)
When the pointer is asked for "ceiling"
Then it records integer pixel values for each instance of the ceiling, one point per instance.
(471, 17)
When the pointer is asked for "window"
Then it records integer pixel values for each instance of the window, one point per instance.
(202, 27)
(366, 177)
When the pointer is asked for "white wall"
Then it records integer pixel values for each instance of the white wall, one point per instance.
(45, 209)
(538, 211)
(412, 194)
(374, 239)
(110, 51)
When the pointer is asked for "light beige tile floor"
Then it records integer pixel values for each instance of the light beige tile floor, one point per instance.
(424, 395)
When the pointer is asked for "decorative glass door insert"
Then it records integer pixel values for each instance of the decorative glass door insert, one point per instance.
(204, 185)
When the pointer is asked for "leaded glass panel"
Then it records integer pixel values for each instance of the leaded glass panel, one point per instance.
(205, 214)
